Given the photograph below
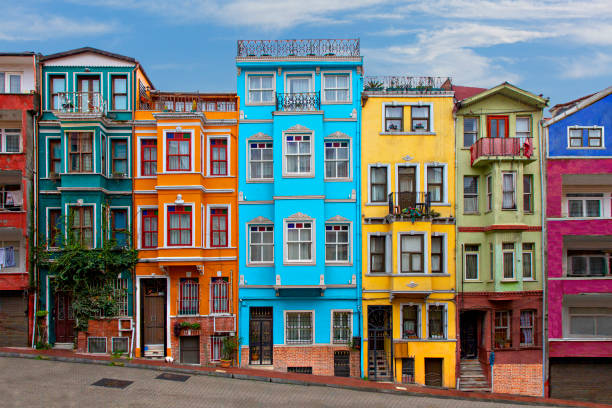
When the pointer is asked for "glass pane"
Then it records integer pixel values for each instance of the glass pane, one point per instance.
(578, 265)
(15, 83)
(420, 112)
(604, 325)
(120, 85)
(394, 112)
(522, 124)
(411, 243)
(120, 102)
(575, 208)
(2, 84)
(434, 174)
(470, 124)
(582, 325)
(597, 266)
(592, 207)
(470, 185)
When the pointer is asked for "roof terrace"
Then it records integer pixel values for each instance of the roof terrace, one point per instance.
(263, 49)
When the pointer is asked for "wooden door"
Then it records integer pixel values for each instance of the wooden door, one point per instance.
(64, 318)
(89, 87)
(433, 372)
(190, 349)
(154, 319)
(406, 183)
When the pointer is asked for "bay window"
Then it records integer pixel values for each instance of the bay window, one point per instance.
(411, 254)
(179, 225)
(81, 226)
(218, 233)
(80, 152)
(298, 155)
(178, 151)
(508, 191)
(437, 321)
(299, 241)
(410, 322)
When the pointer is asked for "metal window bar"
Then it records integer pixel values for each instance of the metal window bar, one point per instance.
(298, 48)
(299, 328)
(342, 327)
(219, 298)
(120, 291)
(298, 102)
(409, 202)
(216, 347)
(189, 298)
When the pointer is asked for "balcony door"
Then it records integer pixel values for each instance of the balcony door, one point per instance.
(497, 126)
(298, 85)
(406, 183)
(89, 93)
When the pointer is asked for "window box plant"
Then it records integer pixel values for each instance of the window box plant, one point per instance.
(186, 329)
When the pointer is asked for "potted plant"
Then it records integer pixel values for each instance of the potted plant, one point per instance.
(374, 85)
(228, 350)
(186, 329)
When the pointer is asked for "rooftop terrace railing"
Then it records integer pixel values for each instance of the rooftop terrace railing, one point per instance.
(298, 48)
(402, 83)
(185, 103)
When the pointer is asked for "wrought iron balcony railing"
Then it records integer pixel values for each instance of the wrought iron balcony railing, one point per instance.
(410, 203)
(80, 102)
(166, 102)
(495, 147)
(404, 84)
(298, 102)
(298, 48)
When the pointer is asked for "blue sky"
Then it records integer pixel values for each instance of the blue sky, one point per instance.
(562, 49)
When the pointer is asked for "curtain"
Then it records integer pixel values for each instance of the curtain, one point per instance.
(471, 266)
(174, 225)
(508, 198)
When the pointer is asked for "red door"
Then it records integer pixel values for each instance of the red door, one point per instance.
(64, 318)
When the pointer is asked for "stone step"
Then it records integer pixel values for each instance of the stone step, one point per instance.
(475, 375)
(476, 389)
(63, 346)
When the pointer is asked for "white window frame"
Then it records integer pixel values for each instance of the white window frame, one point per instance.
(602, 205)
(489, 189)
(313, 241)
(286, 328)
(587, 128)
(248, 235)
(349, 260)
(388, 253)
(424, 253)
(4, 134)
(465, 254)
(409, 104)
(19, 257)
(228, 155)
(209, 207)
(331, 331)
(139, 155)
(444, 191)
(531, 253)
(471, 195)
(258, 74)
(324, 76)
(166, 225)
(289, 75)
(164, 149)
(7, 82)
(298, 174)
(568, 321)
(419, 322)
(370, 166)
(527, 134)
(349, 175)
(250, 178)
(513, 174)
(444, 320)
(513, 253)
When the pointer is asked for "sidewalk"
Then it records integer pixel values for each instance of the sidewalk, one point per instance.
(290, 378)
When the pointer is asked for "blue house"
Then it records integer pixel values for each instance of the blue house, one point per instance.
(299, 205)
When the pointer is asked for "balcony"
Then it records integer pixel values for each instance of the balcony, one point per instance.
(298, 102)
(80, 102)
(407, 85)
(184, 102)
(11, 198)
(488, 149)
(410, 204)
(298, 48)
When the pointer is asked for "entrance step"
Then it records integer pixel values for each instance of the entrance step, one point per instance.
(268, 367)
(472, 377)
(63, 346)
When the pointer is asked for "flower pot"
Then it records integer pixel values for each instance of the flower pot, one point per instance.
(226, 363)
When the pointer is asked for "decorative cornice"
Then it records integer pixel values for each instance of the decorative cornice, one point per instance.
(501, 228)
(337, 135)
(299, 216)
(338, 218)
(298, 128)
(260, 136)
(260, 220)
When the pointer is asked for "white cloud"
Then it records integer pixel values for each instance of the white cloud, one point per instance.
(587, 66)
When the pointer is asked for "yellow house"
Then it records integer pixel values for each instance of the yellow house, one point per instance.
(408, 207)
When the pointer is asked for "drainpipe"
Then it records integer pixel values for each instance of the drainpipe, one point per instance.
(134, 145)
(35, 116)
(543, 257)
(358, 222)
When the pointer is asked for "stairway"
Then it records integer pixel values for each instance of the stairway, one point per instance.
(63, 346)
(378, 364)
(472, 377)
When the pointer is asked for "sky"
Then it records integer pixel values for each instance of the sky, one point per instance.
(561, 49)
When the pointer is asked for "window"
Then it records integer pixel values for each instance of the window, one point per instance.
(55, 158)
(419, 116)
(590, 321)
(593, 136)
(575, 137)
(341, 327)
(437, 321)
(119, 85)
(11, 255)
(508, 189)
(437, 254)
(299, 84)
(489, 193)
(299, 241)
(179, 151)
(298, 327)
(10, 82)
(179, 225)
(470, 131)
(298, 156)
(337, 243)
(189, 296)
(10, 140)
(470, 194)
(261, 243)
(435, 183)
(589, 262)
(378, 257)
(523, 126)
(120, 290)
(336, 160)
(11, 197)
(497, 126)
(528, 193)
(528, 266)
(378, 184)
(57, 86)
(220, 294)
(491, 262)
(527, 327)
(394, 118)
(218, 157)
(148, 161)
(261, 89)
(55, 227)
(408, 370)
(216, 347)
(119, 227)
(502, 329)
(410, 322)
(336, 88)
(119, 157)
(261, 164)
(149, 228)
(218, 233)
(584, 204)
(103, 155)
(595, 139)
(81, 152)
(471, 252)
(508, 259)
(411, 254)
(81, 226)
(120, 345)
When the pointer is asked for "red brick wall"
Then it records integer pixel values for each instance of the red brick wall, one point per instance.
(207, 327)
(108, 328)
(524, 379)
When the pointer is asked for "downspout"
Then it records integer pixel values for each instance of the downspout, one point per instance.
(33, 266)
(358, 273)
(134, 145)
(543, 257)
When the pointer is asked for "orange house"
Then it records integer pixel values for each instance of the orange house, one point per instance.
(185, 223)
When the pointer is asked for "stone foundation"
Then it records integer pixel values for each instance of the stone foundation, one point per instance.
(524, 379)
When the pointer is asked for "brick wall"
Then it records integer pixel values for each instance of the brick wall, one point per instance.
(108, 328)
(524, 379)
(207, 329)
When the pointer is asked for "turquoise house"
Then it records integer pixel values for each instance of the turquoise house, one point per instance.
(299, 205)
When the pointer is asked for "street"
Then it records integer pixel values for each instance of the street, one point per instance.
(39, 383)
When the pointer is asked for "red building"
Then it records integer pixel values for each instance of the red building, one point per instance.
(19, 104)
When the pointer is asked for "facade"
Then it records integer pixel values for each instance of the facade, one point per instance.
(185, 223)
(579, 247)
(85, 176)
(408, 230)
(299, 175)
(19, 104)
(499, 240)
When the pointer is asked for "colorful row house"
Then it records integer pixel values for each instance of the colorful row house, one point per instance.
(299, 182)
(499, 239)
(579, 247)
(408, 230)
(185, 223)
(19, 106)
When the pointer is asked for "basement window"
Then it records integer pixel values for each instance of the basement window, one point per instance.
(96, 344)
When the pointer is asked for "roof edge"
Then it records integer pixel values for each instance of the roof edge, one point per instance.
(472, 99)
(84, 50)
(579, 106)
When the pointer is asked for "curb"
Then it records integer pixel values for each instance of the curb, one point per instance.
(288, 381)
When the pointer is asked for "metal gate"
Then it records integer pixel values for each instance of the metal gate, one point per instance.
(342, 363)
(13, 319)
(260, 336)
(380, 343)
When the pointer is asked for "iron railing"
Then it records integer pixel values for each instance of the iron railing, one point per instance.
(185, 103)
(298, 102)
(298, 48)
(219, 297)
(216, 348)
(80, 102)
(409, 202)
(502, 146)
(402, 83)
(189, 298)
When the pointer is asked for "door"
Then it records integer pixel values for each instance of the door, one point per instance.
(342, 363)
(584, 379)
(407, 187)
(89, 88)
(260, 336)
(154, 317)
(433, 372)
(13, 319)
(380, 351)
(64, 318)
(469, 335)
(190, 349)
